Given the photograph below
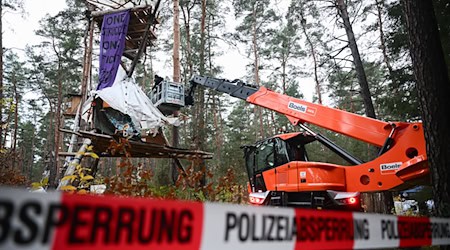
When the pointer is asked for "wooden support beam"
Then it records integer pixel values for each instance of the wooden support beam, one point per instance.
(131, 32)
(95, 2)
(130, 51)
(138, 40)
(150, 22)
(67, 154)
(69, 131)
(130, 56)
(104, 12)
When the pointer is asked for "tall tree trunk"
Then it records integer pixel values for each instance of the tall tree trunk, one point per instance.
(201, 138)
(176, 78)
(187, 27)
(379, 4)
(386, 196)
(176, 41)
(7, 121)
(314, 56)
(54, 169)
(442, 14)
(283, 77)
(30, 164)
(151, 77)
(33, 142)
(216, 107)
(50, 148)
(256, 70)
(50, 141)
(144, 79)
(433, 88)
(57, 126)
(186, 11)
(49, 144)
(360, 73)
(87, 60)
(1, 74)
(217, 130)
(16, 118)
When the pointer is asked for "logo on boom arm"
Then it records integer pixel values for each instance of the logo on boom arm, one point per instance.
(390, 168)
(302, 108)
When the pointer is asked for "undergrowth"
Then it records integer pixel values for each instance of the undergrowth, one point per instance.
(135, 180)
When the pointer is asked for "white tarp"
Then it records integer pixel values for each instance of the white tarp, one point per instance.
(125, 96)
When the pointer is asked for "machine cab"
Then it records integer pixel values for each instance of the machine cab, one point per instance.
(279, 150)
(274, 152)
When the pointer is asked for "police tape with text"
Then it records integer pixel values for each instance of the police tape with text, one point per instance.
(59, 220)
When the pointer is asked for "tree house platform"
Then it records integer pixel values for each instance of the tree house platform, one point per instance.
(154, 148)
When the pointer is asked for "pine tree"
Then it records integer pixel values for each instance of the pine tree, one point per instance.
(15, 83)
(5, 5)
(176, 78)
(359, 68)
(400, 101)
(442, 12)
(57, 65)
(256, 16)
(307, 19)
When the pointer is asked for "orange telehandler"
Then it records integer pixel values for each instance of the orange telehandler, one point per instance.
(281, 174)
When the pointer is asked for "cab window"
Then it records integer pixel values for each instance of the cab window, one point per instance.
(281, 152)
(265, 157)
(250, 159)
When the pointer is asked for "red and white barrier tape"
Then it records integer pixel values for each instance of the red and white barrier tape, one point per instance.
(63, 221)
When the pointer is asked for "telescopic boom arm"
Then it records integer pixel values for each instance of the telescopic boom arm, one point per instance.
(298, 111)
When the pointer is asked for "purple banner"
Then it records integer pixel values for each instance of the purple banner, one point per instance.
(112, 44)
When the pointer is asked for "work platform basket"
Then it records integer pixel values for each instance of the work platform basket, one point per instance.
(168, 96)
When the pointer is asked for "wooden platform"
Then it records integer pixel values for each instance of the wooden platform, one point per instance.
(101, 144)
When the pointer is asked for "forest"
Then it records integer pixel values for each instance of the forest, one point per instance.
(347, 54)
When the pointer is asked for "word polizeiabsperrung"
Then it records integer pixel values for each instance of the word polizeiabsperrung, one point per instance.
(63, 221)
